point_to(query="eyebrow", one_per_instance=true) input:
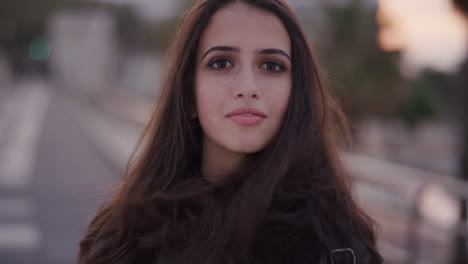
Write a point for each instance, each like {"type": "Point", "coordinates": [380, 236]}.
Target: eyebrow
{"type": "Point", "coordinates": [275, 51]}
{"type": "Point", "coordinates": [222, 48]}
{"type": "Point", "coordinates": [237, 50]}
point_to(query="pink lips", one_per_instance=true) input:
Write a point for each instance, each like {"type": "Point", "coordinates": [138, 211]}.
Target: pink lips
{"type": "Point", "coordinates": [246, 116]}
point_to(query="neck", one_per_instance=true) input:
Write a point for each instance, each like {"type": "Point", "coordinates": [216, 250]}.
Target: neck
{"type": "Point", "coordinates": [218, 161]}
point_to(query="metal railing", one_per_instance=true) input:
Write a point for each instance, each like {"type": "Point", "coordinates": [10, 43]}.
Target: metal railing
{"type": "Point", "coordinates": [412, 192]}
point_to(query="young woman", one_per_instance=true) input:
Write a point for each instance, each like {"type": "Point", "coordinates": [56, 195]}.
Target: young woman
{"type": "Point", "coordinates": [239, 162]}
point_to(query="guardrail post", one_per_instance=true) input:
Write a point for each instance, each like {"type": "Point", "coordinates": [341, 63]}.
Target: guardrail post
{"type": "Point", "coordinates": [413, 226]}
{"type": "Point", "coordinates": [460, 245]}
{"type": "Point", "coordinates": [460, 254]}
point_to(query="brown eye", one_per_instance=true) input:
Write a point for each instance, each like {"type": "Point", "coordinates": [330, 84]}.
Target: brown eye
{"type": "Point", "coordinates": [220, 63]}
{"type": "Point", "coordinates": [274, 66]}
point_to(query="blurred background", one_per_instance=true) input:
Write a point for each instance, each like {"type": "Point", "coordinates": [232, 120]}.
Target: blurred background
{"type": "Point", "coordinates": [78, 80]}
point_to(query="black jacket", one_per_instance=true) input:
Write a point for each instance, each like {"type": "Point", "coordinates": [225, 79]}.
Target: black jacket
{"type": "Point", "coordinates": [358, 254]}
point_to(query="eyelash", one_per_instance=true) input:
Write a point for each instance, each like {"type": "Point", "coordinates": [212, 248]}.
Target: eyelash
{"type": "Point", "coordinates": [280, 66]}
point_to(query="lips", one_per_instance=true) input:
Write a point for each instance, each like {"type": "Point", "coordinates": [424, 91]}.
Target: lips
{"type": "Point", "coordinates": [246, 111]}
{"type": "Point", "coordinates": [246, 116]}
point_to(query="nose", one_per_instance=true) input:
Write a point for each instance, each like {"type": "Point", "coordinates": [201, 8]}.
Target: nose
{"type": "Point", "coordinates": [240, 95]}
{"type": "Point", "coordinates": [247, 86]}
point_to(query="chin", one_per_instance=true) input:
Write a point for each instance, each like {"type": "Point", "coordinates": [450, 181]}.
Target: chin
{"type": "Point", "coordinates": [247, 147]}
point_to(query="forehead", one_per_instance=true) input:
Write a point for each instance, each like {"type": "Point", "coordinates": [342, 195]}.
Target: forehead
{"type": "Point", "coordinates": [245, 26]}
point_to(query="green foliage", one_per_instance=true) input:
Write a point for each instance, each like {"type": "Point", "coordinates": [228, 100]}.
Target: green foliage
{"type": "Point", "coordinates": [159, 34]}
{"type": "Point", "coordinates": [136, 34]}
{"type": "Point", "coordinates": [421, 104]}
{"type": "Point", "coordinates": [372, 77]}
{"type": "Point", "coordinates": [130, 27]}
{"type": "Point", "coordinates": [352, 58]}
{"type": "Point", "coordinates": [430, 94]}
{"type": "Point", "coordinates": [24, 18]}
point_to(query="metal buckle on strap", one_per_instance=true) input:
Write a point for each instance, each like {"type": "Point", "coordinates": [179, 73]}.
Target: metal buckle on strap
{"type": "Point", "coordinates": [342, 251]}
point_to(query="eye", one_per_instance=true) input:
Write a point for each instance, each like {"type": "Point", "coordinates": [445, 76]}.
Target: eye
{"type": "Point", "coordinates": [220, 63]}
{"type": "Point", "coordinates": [273, 66]}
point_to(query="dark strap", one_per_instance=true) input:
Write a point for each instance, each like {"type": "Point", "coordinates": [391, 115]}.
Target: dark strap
{"type": "Point", "coordinates": [343, 256]}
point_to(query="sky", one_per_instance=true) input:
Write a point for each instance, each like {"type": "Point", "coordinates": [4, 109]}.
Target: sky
{"type": "Point", "coordinates": [429, 33]}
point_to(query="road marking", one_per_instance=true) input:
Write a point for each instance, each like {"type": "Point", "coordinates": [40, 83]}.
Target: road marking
{"type": "Point", "coordinates": [116, 139]}
{"type": "Point", "coordinates": [15, 208]}
{"type": "Point", "coordinates": [18, 156]}
{"type": "Point", "coordinates": [17, 236]}
{"type": "Point", "coordinates": [7, 112]}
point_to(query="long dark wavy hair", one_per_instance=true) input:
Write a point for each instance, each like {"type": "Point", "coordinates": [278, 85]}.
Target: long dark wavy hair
{"type": "Point", "coordinates": [288, 203]}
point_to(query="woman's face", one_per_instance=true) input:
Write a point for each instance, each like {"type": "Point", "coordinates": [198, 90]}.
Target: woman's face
{"type": "Point", "coordinates": [242, 79]}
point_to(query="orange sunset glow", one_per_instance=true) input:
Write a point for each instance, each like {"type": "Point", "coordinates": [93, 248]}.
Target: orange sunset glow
{"type": "Point", "coordinates": [429, 33]}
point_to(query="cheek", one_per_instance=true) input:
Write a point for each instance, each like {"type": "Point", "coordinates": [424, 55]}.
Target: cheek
{"type": "Point", "coordinates": [209, 98]}
{"type": "Point", "coordinates": [279, 99]}
{"type": "Point", "coordinates": [283, 99]}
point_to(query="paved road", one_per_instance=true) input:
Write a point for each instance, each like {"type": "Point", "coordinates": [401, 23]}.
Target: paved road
{"type": "Point", "coordinates": [52, 177]}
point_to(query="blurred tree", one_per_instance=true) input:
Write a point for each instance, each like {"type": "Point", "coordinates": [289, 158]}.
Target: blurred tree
{"type": "Point", "coordinates": [24, 23]}
{"type": "Point", "coordinates": [159, 34]}
{"type": "Point", "coordinates": [19, 17]}
{"type": "Point", "coordinates": [371, 76]}
{"type": "Point", "coordinates": [430, 95]}
{"type": "Point", "coordinates": [21, 23]}
{"type": "Point", "coordinates": [462, 5]}
{"type": "Point", "coordinates": [420, 104]}
{"type": "Point", "coordinates": [130, 28]}
{"type": "Point", "coordinates": [352, 56]}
